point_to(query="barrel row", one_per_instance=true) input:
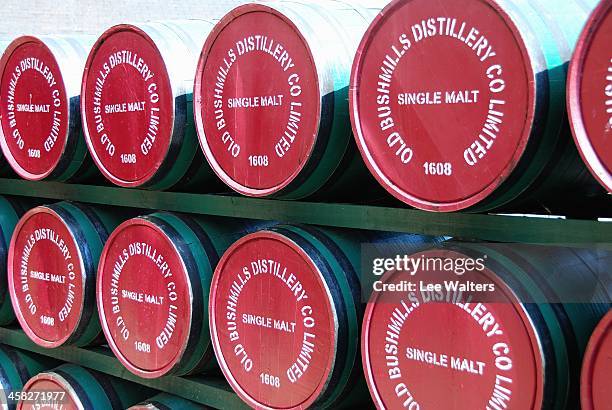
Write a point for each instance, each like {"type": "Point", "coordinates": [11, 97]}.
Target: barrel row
{"type": "Point", "coordinates": [281, 310]}
{"type": "Point", "coordinates": [274, 109]}
{"type": "Point", "coordinates": [288, 137]}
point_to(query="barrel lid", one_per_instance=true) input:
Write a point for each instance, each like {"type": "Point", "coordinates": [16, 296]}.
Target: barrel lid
{"type": "Point", "coordinates": [46, 277]}
{"type": "Point", "coordinates": [54, 384]}
{"type": "Point", "coordinates": [589, 94]}
{"type": "Point", "coordinates": [442, 100]}
{"type": "Point", "coordinates": [416, 340]}
{"type": "Point", "coordinates": [34, 108]}
{"type": "Point", "coordinates": [273, 324]}
{"type": "Point", "coordinates": [257, 100]}
{"type": "Point", "coordinates": [597, 367]}
{"type": "Point", "coordinates": [144, 298]}
{"type": "Point", "coordinates": [127, 106]}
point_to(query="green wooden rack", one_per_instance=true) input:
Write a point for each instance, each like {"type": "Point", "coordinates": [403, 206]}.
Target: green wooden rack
{"type": "Point", "coordinates": [214, 390]}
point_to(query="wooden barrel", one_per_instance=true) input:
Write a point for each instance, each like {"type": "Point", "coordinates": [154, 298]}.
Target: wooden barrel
{"type": "Point", "coordinates": [165, 401]}
{"type": "Point", "coordinates": [271, 98]}
{"type": "Point", "coordinates": [16, 368]}
{"type": "Point", "coordinates": [285, 312]}
{"type": "Point", "coordinates": [153, 285]}
{"type": "Point", "coordinates": [74, 387]}
{"type": "Point", "coordinates": [5, 168]}
{"type": "Point", "coordinates": [589, 93]}
{"type": "Point", "coordinates": [490, 135]}
{"type": "Point", "coordinates": [10, 212]}
{"type": "Point", "coordinates": [52, 263]}
{"type": "Point", "coordinates": [507, 332]}
{"type": "Point", "coordinates": [597, 367]}
{"type": "Point", "coordinates": [41, 133]}
{"type": "Point", "coordinates": [137, 104]}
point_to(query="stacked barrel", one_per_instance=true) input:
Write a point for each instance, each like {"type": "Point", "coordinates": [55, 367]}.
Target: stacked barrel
{"type": "Point", "coordinates": [52, 265]}
{"type": "Point", "coordinates": [17, 367]}
{"type": "Point", "coordinates": [271, 107]}
{"type": "Point", "coordinates": [299, 348]}
{"type": "Point", "coordinates": [74, 387]}
{"type": "Point", "coordinates": [144, 137]}
{"type": "Point", "coordinates": [153, 283]}
{"type": "Point", "coordinates": [41, 134]}
{"type": "Point", "coordinates": [524, 316]}
{"type": "Point", "coordinates": [448, 105]}
{"type": "Point", "coordinates": [488, 136]}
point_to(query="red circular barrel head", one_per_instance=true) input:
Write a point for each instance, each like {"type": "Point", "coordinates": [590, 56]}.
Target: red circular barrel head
{"type": "Point", "coordinates": [590, 94]}
{"type": "Point", "coordinates": [416, 340]}
{"type": "Point", "coordinates": [597, 367]}
{"type": "Point", "coordinates": [144, 298]}
{"type": "Point", "coordinates": [46, 277]}
{"type": "Point", "coordinates": [272, 323]}
{"type": "Point", "coordinates": [442, 100]}
{"type": "Point", "coordinates": [127, 106]}
{"type": "Point", "coordinates": [49, 390]}
{"type": "Point", "coordinates": [34, 108]}
{"type": "Point", "coordinates": [257, 100]}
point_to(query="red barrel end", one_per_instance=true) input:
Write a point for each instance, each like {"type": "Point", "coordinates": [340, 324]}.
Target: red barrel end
{"type": "Point", "coordinates": [257, 100]}
{"type": "Point", "coordinates": [597, 368]}
{"type": "Point", "coordinates": [49, 390]}
{"type": "Point", "coordinates": [127, 106]}
{"type": "Point", "coordinates": [272, 325]}
{"type": "Point", "coordinates": [483, 354]}
{"type": "Point", "coordinates": [146, 322]}
{"type": "Point", "coordinates": [589, 94]}
{"type": "Point", "coordinates": [442, 100]}
{"type": "Point", "coordinates": [34, 108]}
{"type": "Point", "coordinates": [46, 277]}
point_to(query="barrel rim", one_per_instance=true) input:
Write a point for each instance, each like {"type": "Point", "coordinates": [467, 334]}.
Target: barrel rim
{"type": "Point", "coordinates": [11, 281]}
{"type": "Point", "coordinates": [152, 174]}
{"type": "Point", "coordinates": [8, 155]}
{"type": "Point", "coordinates": [524, 318]}
{"type": "Point", "coordinates": [175, 362]}
{"type": "Point", "coordinates": [58, 380]}
{"type": "Point", "coordinates": [333, 320]}
{"type": "Point", "coordinates": [198, 97]}
{"type": "Point", "coordinates": [574, 104]}
{"type": "Point", "coordinates": [360, 138]}
{"type": "Point", "coordinates": [601, 332]}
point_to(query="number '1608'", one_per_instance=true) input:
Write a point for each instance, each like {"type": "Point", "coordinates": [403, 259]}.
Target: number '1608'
{"type": "Point", "coordinates": [438, 168]}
